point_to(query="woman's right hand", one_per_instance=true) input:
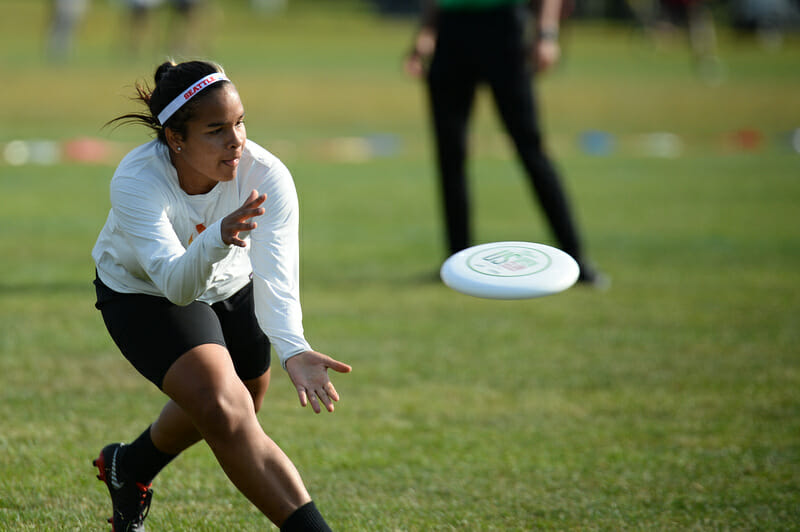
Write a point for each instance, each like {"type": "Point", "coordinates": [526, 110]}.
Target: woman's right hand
{"type": "Point", "coordinates": [239, 220]}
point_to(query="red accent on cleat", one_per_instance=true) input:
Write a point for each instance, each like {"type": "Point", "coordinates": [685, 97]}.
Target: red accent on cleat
{"type": "Point", "coordinates": [100, 463]}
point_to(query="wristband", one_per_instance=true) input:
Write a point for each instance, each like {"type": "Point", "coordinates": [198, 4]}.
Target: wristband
{"type": "Point", "coordinates": [548, 34]}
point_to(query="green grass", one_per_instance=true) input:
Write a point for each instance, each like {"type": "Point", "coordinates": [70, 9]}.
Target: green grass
{"type": "Point", "coordinates": [670, 402]}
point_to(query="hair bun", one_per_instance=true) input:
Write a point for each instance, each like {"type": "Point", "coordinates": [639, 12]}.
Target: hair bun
{"type": "Point", "coordinates": [162, 69]}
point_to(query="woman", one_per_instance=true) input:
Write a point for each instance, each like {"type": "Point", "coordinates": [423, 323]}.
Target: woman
{"type": "Point", "coordinates": [197, 275]}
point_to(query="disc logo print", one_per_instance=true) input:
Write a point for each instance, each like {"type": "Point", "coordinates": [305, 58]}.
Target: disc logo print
{"type": "Point", "coordinates": [509, 261]}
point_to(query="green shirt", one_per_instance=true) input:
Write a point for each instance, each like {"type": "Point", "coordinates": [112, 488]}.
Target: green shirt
{"type": "Point", "coordinates": [475, 4]}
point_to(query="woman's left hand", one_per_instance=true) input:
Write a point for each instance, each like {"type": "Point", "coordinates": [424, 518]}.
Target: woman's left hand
{"type": "Point", "coordinates": [309, 373]}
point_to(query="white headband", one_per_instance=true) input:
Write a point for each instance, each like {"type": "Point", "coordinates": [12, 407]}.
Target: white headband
{"type": "Point", "coordinates": [188, 94]}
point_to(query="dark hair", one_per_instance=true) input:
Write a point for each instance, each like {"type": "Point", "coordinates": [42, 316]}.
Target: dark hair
{"type": "Point", "coordinates": [171, 79]}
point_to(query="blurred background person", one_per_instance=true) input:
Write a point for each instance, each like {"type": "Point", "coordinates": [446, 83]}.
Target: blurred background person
{"type": "Point", "coordinates": [695, 16]}
{"type": "Point", "coordinates": [768, 20]}
{"type": "Point", "coordinates": [168, 26]}
{"type": "Point", "coordinates": [463, 43]}
{"type": "Point", "coordinates": [137, 22]}
{"type": "Point", "coordinates": [65, 17]}
{"type": "Point", "coordinates": [183, 20]}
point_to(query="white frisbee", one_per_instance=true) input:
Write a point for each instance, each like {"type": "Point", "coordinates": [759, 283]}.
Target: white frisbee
{"type": "Point", "coordinates": [510, 270]}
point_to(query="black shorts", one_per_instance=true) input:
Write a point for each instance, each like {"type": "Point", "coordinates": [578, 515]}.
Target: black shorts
{"type": "Point", "coordinates": [153, 332]}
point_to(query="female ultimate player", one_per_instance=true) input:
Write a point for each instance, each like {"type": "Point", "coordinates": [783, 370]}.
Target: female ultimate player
{"type": "Point", "coordinates": [197, 275]}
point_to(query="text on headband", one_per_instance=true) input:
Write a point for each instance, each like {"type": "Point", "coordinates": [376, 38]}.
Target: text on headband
{"type": "Point", "coordinates": [188, 94]}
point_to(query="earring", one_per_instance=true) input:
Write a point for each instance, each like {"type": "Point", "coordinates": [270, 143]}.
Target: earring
{"type": "Point", "coordinates": [178, 148]}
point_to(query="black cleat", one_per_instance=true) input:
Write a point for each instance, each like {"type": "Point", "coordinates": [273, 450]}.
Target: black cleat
{"type": "Point", "coordinates": [130, 500]}
{"type": "Point", "coordinates": [590, 276]}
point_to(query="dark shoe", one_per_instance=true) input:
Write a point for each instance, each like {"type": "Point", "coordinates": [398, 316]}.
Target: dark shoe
{"type": "Point", "coordinates": [593, 278]}
{"type": "Point", "coordinates": [130, 500]}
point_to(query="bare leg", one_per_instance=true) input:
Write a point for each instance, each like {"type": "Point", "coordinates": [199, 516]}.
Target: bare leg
{"type": "Point", "coordinates": [203, 383]}
{"type": "Point", "coordinates": [174, 432]}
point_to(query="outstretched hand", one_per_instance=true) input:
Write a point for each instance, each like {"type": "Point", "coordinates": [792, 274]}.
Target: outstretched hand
{"type": "Point", "coordinates": [239, 220]}
{"type": "Point", "coordinates": [309, 373]}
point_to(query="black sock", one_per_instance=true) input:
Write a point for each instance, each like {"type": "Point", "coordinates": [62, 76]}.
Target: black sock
{"type": "Point", "coordinates": [141, 460]}
{"type": "Point", "coordinates": [306, 519]}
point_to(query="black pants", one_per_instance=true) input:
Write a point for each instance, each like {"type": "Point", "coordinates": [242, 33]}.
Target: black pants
{"type": "Point", "coordinates": [489, 46]}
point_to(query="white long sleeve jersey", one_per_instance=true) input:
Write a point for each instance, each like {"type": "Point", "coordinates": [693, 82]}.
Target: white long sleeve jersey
{"type": "Point", "coordinates": [160, 241]}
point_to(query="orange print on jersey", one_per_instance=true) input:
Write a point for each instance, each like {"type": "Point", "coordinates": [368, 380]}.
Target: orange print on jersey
{"type": "Point", "coordinates": [200, 228]}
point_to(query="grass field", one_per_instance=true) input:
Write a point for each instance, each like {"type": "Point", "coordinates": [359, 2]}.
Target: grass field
{"type": "Point", "coordinates": [669, 402]}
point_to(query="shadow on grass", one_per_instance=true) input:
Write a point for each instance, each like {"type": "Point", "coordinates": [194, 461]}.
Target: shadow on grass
{"type": "Point", "coordinates": [374, 278]}
{"type": "Point", "coordinates": [46, 288]}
